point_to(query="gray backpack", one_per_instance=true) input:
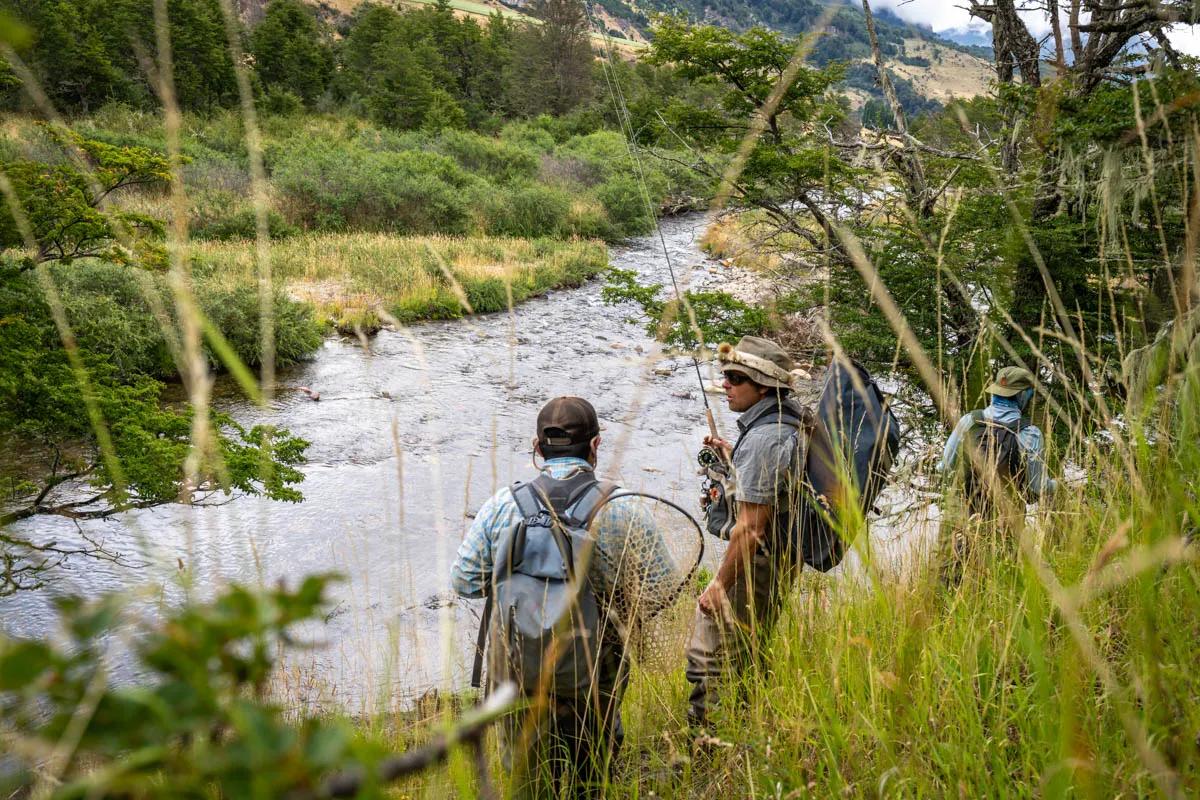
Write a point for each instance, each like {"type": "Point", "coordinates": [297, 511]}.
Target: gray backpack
{"type": "Point", "coordinates": [541, 590]}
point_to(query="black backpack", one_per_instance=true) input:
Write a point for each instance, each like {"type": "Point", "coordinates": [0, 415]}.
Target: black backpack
{"type": "Point", "coordinates": [996, 447]}
{"type": "Point", "coordinates": [855, 437]}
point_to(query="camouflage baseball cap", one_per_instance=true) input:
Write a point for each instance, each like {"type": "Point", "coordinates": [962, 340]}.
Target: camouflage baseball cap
{"type": "Point", "coordinates": [1011, 381]}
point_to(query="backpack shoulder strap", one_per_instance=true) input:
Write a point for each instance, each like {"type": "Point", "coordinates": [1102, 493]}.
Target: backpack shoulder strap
{"type": "Point", "coordinates": [586, 503]}
{"type": "Point", "coordinates": [528, 500]}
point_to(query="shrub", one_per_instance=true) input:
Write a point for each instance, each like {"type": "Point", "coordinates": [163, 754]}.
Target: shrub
{"type": "Point", "coordinates": [527, 135]}
{"type": "Point", "coordinates": [494, 158]}
{"type": "Point", "coordinates": [108, 311]}
{"type": "Point", "coordinates": [345, 186]}
{"type": "Point", "coordinates": [112, 318]}
{"type": "Point", "coordinates": [444, 112]}
{"type": "Point", "coordinates": [198, 723]}
{"type": "Point", "coordinates": [282, 102]}
{"type": "Point", "coordinates": [221, 216]}
{"type": "Point", "coordinates": [237, 314]}
{"type": "Point", "coordinates": [625, 204]}
{"type": "Point", "coordinates": [527, 210]}
{"type": "Point", "coordinates": [604, 151]}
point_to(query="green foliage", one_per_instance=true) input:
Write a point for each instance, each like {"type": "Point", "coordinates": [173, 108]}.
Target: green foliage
{"type": "Point", "coordinates": [401, 66]}
{"type": "Point", "coordinates": [290, 54]}
{"type": "Point", "coordinates": [281, 102]}
{"type": "Point", "coordinates": [60, 205]}
{"type": "Point", "coordinates": [237, 314]}
{"type": "Point", "coordinates": [347, 186]}
{"type": "Point", "coordinates": [788, 160]}
{"type": "Point", "coordinates": [720, 317]}
{"type": "Point", "coordinates": [495, 159]}
{"type": "Point", "coordinates": [443, 112]}
{"type": "Point", "coordinates": [625, 204]}
{"type": "Point", "coordinates": [199, 724]}
{"type": "Point", "coordinates": [121, 346]}
{"type": "Point", "coordinates": [527, 210]}
{"type": "Point", "coordinates": [84, 53]}
{"type": "Point", "coordinates": [550, 69]}
{"type": "Point", "coordinates": [221, 223]}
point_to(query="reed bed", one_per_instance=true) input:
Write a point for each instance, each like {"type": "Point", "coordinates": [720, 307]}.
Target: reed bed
{"type": "Point", "coordinates": [351, 277]}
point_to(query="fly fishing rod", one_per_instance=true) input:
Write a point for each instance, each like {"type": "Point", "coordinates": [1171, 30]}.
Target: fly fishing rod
{"type": "Point", "coordinates": [622, 110]}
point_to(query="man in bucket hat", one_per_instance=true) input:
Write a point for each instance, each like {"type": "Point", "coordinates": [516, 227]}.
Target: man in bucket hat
{"type": "Point", "coordinates": [1000, 465]}
{"type": "Point", "coordinates": [739, 606]}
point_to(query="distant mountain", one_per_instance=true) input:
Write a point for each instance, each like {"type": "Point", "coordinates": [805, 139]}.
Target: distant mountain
{"type": "Point", "coordinates": [928, 69]}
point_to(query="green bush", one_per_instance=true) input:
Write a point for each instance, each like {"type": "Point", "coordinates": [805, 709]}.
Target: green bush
{"type": "Point", "coordinates": [529, 210]}
{"type": "Point", "coordinates": [342, 187]}
{"type": "Point", "coordinates": [197, 722]}
{"type": "Point", "coordinates": [625, 204]}
{"type": "Point", "coordinates": [237, 314]}
{"type": "Point", "coordinates": [107, 307]}
{"type": "Point", "coordinates": [210, 223]}
{"type": "Point", "coordinates": [528, 135]}
{"type": "Point", "coordinates": [112, 318]}
{"type": "Point", "coordinates": [605, 152]}
{"type": "Point", "coordinates": [282, 102]}
{"type": "Point", "coordinates": [493, 158]}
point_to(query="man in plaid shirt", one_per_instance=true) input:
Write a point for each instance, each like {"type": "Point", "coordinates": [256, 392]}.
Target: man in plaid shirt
{"type": "Point", "coordinates": [632, 574]}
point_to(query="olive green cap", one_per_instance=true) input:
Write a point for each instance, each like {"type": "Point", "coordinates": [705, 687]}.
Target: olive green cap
{"type": "Point", "coordinates": [1011, 381]}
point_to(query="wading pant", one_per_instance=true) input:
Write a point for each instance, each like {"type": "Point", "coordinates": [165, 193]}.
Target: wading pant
{"type": "Point", "coordinates": [719, 650]}
{"type": "Point", "coordinates": [570, 745]}
{"type": "Point", "coordinates": [974, 535]}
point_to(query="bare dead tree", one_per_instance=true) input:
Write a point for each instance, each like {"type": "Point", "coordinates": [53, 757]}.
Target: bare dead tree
{"type": "Point", "coordinates": [905, 158]}
{"type": "Point", "coordinates": [1016, 51]}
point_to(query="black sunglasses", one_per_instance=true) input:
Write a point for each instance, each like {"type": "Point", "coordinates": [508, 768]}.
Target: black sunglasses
{"type": "Point", "coordinates": [735, 378]}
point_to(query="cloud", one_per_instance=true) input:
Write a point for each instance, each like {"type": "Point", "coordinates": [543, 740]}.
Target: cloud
{"type": "Point", "coordinates": [944, 16]}
{"type": "Point", "coordinates": [937, 14]}
{"type": "Point", "coordinates": [947, 15]}
{"type": "Point", "coordinates": [1186, 39]}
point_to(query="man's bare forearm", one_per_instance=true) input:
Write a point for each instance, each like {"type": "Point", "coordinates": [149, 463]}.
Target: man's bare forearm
{"type": "Point", "coordinates": [747, 534]}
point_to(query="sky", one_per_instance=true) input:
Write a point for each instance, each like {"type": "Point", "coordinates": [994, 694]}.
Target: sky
{"type": "Point", "coordinates": [947, 15]}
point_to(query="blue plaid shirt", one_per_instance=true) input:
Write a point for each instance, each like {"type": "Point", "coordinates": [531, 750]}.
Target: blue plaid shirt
{"type": "Point", "coordinates": [631, 562]}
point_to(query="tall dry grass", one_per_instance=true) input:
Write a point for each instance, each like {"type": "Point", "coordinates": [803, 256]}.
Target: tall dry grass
{"type": "Point", "coordinates": [353, 276]}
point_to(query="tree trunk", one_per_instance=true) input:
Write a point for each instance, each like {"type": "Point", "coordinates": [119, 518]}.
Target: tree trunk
{"type": "Point", "coordinates": [907, 162]}
{"type": "Point", "coordinates": [1060, 60]}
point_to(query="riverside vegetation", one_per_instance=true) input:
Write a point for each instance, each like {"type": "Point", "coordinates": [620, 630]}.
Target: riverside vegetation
{"type": "Point", "coordinates": [1052, 223]}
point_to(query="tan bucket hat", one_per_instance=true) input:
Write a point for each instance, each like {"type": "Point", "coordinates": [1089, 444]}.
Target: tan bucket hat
{"type": "Point", "coordinates": [1011, 381]}
{"type": "Point", "coordinates": [761, 360]}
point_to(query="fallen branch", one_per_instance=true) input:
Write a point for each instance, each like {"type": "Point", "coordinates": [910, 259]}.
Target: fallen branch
{"type": "Point", "coordinates": [469, 731]}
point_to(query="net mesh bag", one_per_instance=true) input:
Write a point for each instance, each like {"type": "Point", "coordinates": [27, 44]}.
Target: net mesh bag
{"type": "Point", "coordinates": [653, 594]}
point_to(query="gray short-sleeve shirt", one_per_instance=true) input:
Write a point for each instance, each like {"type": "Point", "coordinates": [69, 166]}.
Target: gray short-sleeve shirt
{"type": "Point", "coordinates": [764, 458]}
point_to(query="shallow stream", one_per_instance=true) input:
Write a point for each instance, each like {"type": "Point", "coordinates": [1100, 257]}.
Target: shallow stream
{"type": "Point", "coordinates": [409, 437]}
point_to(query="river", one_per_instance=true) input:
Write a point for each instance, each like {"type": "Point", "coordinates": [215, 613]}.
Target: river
{"type": "Point", "coordinates": [409, 437]}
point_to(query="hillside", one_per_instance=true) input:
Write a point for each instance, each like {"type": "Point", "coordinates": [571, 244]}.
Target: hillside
{"type": "Point", "coordinates": [928, 70]}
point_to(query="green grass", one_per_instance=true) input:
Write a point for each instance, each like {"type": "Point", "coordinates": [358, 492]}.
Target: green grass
{"type": "Point", "coordinates": [1066, 667]}
{"type": "Point", "coordinates": [352, 277]}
